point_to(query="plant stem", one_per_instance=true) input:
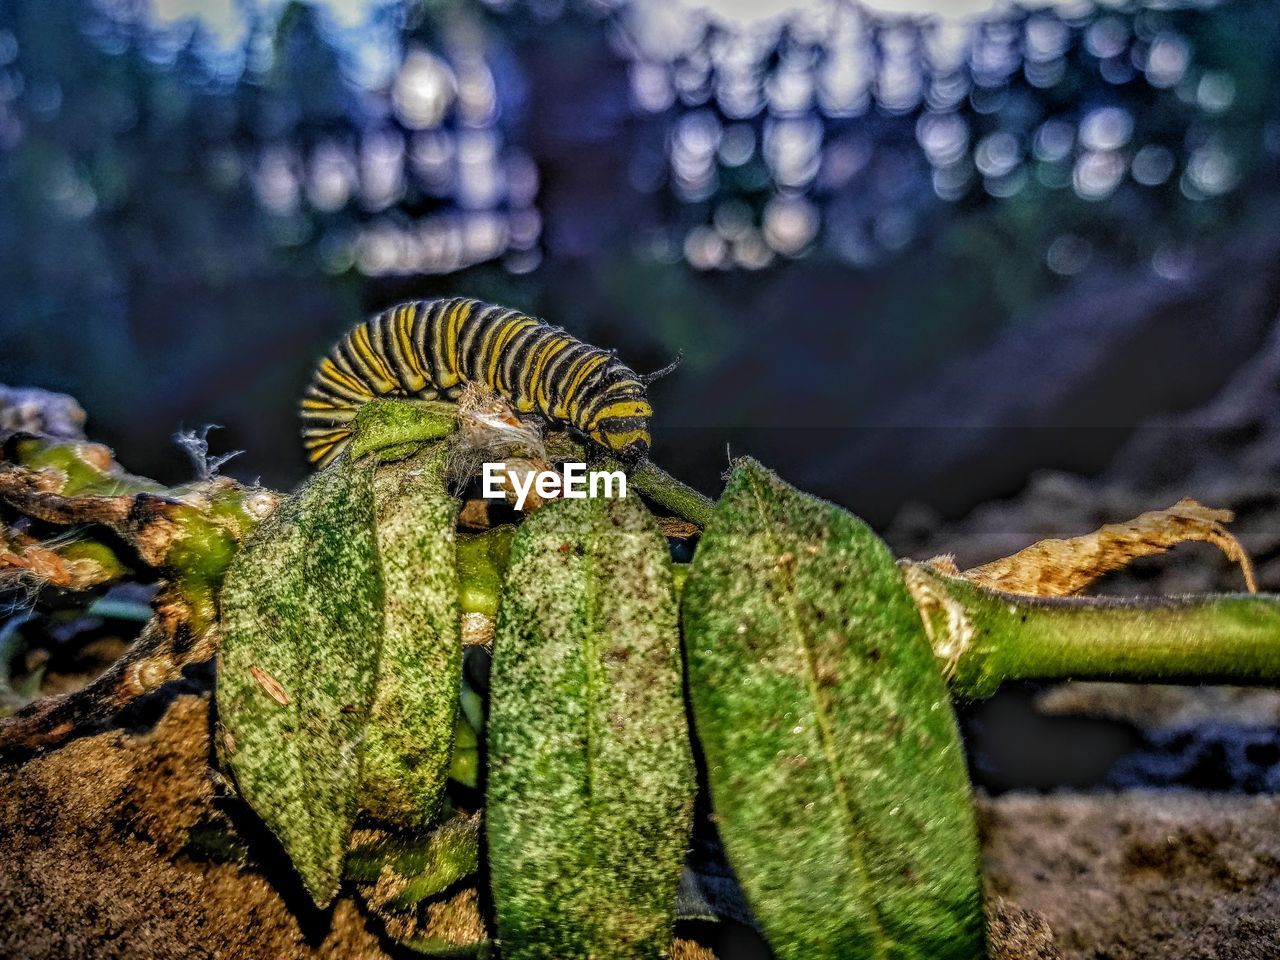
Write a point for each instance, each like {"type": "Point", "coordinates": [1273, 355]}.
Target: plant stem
{"type": "Point", "coordinates": [985, 638]}
{"type": "Point", "coordinates": [666, 491]}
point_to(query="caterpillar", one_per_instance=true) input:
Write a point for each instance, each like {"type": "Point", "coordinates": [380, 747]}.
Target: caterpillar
{"type": "Point", "coordinates": [433, 348]}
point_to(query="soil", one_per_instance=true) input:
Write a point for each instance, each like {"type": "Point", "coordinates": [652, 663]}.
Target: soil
{"type": "Point", "coordinates": [1141, 875]}
{"type": "Point", "coordinates": [109, 854]}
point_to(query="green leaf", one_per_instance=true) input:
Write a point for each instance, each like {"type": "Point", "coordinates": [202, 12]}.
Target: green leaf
{"type": "Point", "coordinates": [482, 563]}
{"type": "Point", "coordinates": [409, 742]}
{"type": "Point", "coordinates": [590, 775]}
{"type": "Point", "coordinates": [420, 867]}
{"type": "Point", "coordinates": [387, 425]}
{"type": "Point", "coordinates": [834, 762]}
{"type": "Point", "coordinates": [302, 625]}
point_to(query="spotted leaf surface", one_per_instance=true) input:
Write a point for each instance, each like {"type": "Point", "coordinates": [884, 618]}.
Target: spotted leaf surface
{"type": "Point", "coordinates": [302, 619]}
{"type": "Point", "coordinates": [590, 774]}
{"type": "Point", "coordinates": [409, 744]}
{"type": "Point", "coordinates": [834, 762]}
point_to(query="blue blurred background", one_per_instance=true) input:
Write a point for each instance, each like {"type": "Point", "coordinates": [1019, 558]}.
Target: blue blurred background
{"type": "Point", "coordinates": [911, 250]}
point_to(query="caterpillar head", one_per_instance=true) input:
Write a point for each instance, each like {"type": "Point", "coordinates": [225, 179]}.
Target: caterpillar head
{"type": "Point", "coordinates": [623, 429]}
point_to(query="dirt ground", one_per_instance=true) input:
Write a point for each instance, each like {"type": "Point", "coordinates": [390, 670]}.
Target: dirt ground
{"type": "Point", "coordinates": [111, 850]}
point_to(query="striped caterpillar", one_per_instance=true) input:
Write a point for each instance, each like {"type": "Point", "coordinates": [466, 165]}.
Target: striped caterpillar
{"type": "Point", "coordinates": [432, 348]}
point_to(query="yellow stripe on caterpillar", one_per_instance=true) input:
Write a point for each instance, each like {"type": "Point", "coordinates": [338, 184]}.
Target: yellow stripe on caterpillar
{"type": "Point", "coordinates": [415, 348]}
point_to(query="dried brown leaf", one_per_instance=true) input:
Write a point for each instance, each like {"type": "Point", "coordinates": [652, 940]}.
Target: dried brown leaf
{"type": "Point", "coordinates": [1061, 568]}
{"type": "Point", "coordinates": [270, 684]}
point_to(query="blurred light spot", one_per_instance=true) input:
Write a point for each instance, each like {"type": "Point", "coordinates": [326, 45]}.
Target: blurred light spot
{"type": "Point", "coordinates": [662, 246]}
{"type": "Point", "coordinates": [431, 154]}
{"type": "Point", "coordinates": [844, 83]}
{"type": "Point", "coordinates": [664, 30]}
{"type": "Point", "coordinates": [1152, 165]}
{"type": "Point", "coordinates": [1054, 140]}
{"type": "Point", "coordinates": [70, 192]}
{"type": "Point", "coordinates": [692, 76]}
{"type": "Point", "coordinates": [899, 83]}
{"type": "Point", "coordinates": [751, 252]}
{"type": "Point", "coordinates": [1216, 92]}
{"type": "Point", "coordinates": [943, 137]}
{"type": "Point", "coordinates": [1047, 38]}
{"type": "Point", "coordinates": [347, 13]}
{"type": "Point", "coordinates": [1107, 128]}
{"type": "Point", "coordinates": [997, 154]}
{"type": "Point", "coordinates": [704, 248]}
{"type": "Point", "coordinates": [1172, 263]}
{"type": "Point", "coordinates": [423, 91]}
{"type": "Point", "coordinates": [651, 86]}
{"type": "Point", "coordinates": [789, 88]}
{"type": "Point", "coordinates": [221, 19]}
{"type": "Point", "coordinates": [1068, 254]}
{"type": "Point", "coordinates": [947, 91]}
{"type": "Point", "coordinates": [790, 223]}
{"type": "Point", "coordinates": [893, 229]}
{"type": "Point", "coordinates": [996, 53]}
{"type": "Point", "coordinates": [852, 243]}
{"type": "Point", "coordinates": [378, 251]}
{"type": "Point", "coordinates": [988, 100]}
{"type": "Point", "coordinates": [952, 182]}
{"type": "Point", "coordinates": [1045, 73]}
{"type": "Point", "coordinates": [732, 218]}
{"type": "Point", "coordinates": [337, 253]}
{"type": "Point", "coordinates": [1097, 174]}
{"type": "Point", "coordinates": [484, 237]}
{"type": "Point", "coordinates": [522, 179]}
{"type": "Point", "coordinates": [737, 145]}
{"type": "Point", "coordinates": [477, 96]}
{"type": "Point", "coordinates": [946, 45]}
{"type": "Point", "coordinates": [1211, 170]}
{"type": "Point", "coordinates": [1107, 37]}
{"type": "Point", "coordinates": [737, 56]}
{"type": "Point", "coordinates": [1006, 185]}
{"type": "Point", "coordinates": [522, 261]}
{"type": "Point", "coordinates": [693, 151]}
{"type": "Point", "coordinates": [333, 177]}
{"type": "Point", "coordinates": [381, 168]}
{"type": "Point", "coordinates": [275, 182]}
{"type": "Point", "coordinates": [844, 160]}
{"type": "Point", "coordinates": [480, 183]}
{"type": "Point", "coordinates": [1167, 60]}
{"type": "Point", "coordinates": [439, 244]}
{"type": "Point", "coordinates": [791, 148]}
{"type": "Point", "coordinates": [1117, 70]}
{"type": "Point", "coordinates": [525, 228]}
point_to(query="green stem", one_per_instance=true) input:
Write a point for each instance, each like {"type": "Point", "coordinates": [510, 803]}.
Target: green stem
{"type": "Point", "coordinates": [985, 638]}
{"type": "Point", "coordinates": [675, 495]}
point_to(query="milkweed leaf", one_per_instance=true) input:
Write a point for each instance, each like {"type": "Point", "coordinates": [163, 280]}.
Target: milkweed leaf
{"type": "Point", "coordinates": [415, 868]}
{"type": "Point", "coordinates": [590, 773]}
{"type": "Point", "coordinates": [302, 608]}
{"type": "Point", "coordinates": [834, 763]}
{"type": "Point", "coordinates": [409, 744]}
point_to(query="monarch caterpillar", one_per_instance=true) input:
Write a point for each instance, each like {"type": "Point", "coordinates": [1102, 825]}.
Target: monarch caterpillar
{"type": "Point", "coordinates": [432, 348]}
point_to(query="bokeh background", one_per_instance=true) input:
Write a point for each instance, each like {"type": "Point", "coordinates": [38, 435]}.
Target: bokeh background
{"type": "Point", "coordinates": [912, 251]}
